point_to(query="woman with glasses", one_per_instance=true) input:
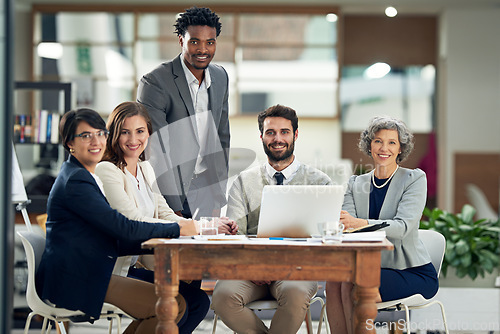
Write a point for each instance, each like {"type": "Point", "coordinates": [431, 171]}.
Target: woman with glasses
{"type": "Point", "coordinates": [85, 235]}
{"type": "Point", "coordinates": [129, 185]}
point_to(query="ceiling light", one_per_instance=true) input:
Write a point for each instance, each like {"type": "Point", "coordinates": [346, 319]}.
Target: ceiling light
{"type": "Point", "coordinates": [377, 71]}
{"type": "Point", "coordinates": [391, 11]}
{"type": "Point", "coordinates": [331, 17]}
{"type": "Point", "coordinates": [50, 50]}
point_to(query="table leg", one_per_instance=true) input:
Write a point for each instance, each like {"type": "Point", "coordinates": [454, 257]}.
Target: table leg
{"type": "Point", "coordinates": [365, 309]}
{"type": "Point", "coordinates": [167, 288]}
{"type": "Point", "coordinates": [367, 280]}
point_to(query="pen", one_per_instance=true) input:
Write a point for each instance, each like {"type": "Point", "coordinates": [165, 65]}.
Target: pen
{"type": "Point", "coordinates": [289, 239]}
{"type": "Point", "coordinates": [193, 217]}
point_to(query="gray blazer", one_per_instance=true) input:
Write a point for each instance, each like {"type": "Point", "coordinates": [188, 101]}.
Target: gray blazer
{"type": "Point", "coordinates": [165, 93]}
{"type": "Point", "coordinates": [402, 209]}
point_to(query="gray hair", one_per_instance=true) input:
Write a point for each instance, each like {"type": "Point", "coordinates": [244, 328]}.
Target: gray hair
{"type": "Point", "coordinates": [378, 123]}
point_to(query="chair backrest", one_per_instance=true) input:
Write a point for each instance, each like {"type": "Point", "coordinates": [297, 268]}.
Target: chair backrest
{"type": "Point", "coordinates": [435, 243]}
{"type": "Point", "coordinates": [34, 245]}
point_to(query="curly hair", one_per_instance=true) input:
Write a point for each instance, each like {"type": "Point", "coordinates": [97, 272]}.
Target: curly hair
{"type": "Point", "coordinates": [378, 123]}
{"type": "Point", "coordinates": [123, 111]}
{"type": "Point", "coordinates": [195, 16]}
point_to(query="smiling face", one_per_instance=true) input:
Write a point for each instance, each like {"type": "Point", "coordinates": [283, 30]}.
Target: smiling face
{"type": "Point", "coordinates": [133, 138]}
{"type": "Point", "coordinates": [385, 148]}
{"type": "Point", "coordinates": [198, 47]}
{"type": "Point", "coordinates": [88, 153]}
{"type": "Point", "coordinates": [278, 139]}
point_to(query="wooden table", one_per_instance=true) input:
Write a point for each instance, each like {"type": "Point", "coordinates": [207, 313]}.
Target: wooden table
{"type": "Point", "coordinates": [255, 259]}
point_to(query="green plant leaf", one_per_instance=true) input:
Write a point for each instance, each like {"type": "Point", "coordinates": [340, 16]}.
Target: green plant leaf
{"type": "Point", "coordinates": [472, 247]}
{"type": "Point", "coordinates": [466, 259]}
{"type": "Point", "coordinates": [468, 213]}
{"type": "Point", "coordinates": [461, 247]}
{"type": "Point", "coordinates": [461, 272]}
{"type": "Point", "coordinates": [465, 228]}
{"type": "Point", "coordinates": [472, 272]}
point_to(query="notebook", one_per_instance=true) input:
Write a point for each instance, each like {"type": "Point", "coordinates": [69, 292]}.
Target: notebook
{"type": "Point", "coordinates": [293, 211]}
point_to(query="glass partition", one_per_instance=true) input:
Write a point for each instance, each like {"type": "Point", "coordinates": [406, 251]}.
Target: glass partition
{"type": "Point", "coordinates": [270, 58]}
{"type": "Point", "coordinates": [406, 93]}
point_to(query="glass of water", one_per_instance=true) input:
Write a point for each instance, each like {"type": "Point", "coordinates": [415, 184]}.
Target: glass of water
{"type": "Point", "coordinates": [331, 231]}
{"type": "Point", "coordinates": [209, 225]}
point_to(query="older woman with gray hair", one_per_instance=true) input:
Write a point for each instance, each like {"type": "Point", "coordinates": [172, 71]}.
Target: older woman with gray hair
{"type": "Point", "coordinates": [396, 195]}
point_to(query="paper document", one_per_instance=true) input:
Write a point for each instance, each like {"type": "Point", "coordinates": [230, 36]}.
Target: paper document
{"type": "Point", "coordinates": [220, 237]}
{"type": "Point", "coordinates": [364, 236]}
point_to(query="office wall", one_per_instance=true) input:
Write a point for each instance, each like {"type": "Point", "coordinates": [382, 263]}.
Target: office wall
{"type": "Point", "coordinates": [469, 101]}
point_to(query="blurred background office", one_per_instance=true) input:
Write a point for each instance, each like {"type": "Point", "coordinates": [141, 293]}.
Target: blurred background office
{"type": "Point", "coordinates": [434, 64]}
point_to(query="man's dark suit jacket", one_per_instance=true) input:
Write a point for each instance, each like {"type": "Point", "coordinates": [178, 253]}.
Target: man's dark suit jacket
{"type": "Point", "coordinates": [84, 238]}
{"type": "Point", "coordinates": [165, 93]}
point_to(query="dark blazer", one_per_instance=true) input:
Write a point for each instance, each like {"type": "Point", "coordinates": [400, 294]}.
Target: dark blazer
{"type": "Point", "coordinates": [84, 238]}
{"type": "Point", "coordinates": [165, 93]}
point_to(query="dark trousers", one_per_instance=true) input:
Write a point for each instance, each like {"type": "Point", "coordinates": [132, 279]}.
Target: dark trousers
{"type": "Point", "coordinates": [196, 299]}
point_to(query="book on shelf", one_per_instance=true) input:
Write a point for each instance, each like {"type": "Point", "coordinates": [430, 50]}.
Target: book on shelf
{"type": "Point", "coordinates": [42, 128]}
{"type": "Point", "coordinates": [54, 132]}
{"type": "Point", "coordinates": [22, 129]}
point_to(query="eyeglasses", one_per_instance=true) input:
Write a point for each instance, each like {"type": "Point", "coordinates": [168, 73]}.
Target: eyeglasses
{"type": "Point", "coordinates": [86, 137]}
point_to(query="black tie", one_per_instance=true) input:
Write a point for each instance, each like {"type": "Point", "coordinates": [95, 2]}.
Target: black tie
{"type": "Point", "coordinates": [279, 178]}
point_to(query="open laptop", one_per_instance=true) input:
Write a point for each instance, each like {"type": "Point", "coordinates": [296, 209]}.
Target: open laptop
{"type": "Point", "coordinates": [293, 211]}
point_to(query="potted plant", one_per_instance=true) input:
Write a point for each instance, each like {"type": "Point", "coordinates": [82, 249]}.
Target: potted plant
{"type": "Point", "coordinates": [472, 246]}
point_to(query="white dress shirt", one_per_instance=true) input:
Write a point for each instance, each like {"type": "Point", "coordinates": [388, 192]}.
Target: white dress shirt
{"type": "Point", "coordinates": [288, 173]}
{"type": "Point", "coordinates": [199, 95]}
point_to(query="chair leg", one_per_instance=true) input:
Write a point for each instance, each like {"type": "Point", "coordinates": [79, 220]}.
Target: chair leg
{"type": "Point", "coordinates": [323, 318]}
{"type": "Point", "coordinates": [47, 328]}
{"type": "Point", "coordinates": [110, 326]}
{"type": "Point", "coordinates": [408, 323]}
{"type": "Point", "coordinates": [28, 322]}
{"type": "Point", "coordinates": [214, 327]}
{"type": "Point", "coordinates": [444, 316]}
{"type": "Point", "coordinates": [322, 315]}
{"type": "Point", "coordinates": [119, 324]}
{"type": "Point", "coordinates": [309, 321]}
{"type": "Point", "coordinates": [61, 327]}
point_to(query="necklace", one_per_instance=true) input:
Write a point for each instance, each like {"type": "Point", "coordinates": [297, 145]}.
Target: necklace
{"type": "Point", "coordinates": [385, 183]}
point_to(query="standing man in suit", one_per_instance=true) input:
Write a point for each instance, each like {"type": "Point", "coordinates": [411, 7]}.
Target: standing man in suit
{"type": "Point", "coordinates": [187, 99]}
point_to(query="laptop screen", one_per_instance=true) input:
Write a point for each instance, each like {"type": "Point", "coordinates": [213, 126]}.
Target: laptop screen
{"type": "Point", "coordinates": [293, 211]}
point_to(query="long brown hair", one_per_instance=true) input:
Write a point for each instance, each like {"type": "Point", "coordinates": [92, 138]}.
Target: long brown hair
{"type": "Point", "coordinates": [115, 122]}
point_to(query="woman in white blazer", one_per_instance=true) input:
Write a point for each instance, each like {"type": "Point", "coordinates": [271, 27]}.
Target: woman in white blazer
{"type": "Point", "coordinates": [392, 194]}
{"type": "Point", "coordinates": [130, 188]}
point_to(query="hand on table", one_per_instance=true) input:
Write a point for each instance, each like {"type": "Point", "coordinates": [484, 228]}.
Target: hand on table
{"type": "Point", "coordinates": [350, 221]}
{"type": "Point", "coordinates": [227, 226]}
{"type": "Point", "coordinates": [189, 227]}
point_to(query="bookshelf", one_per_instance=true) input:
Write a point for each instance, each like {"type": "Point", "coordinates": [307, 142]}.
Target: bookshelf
{"type": "Point", "coordinates": [35, 124]}
{"type": "Point", "coordinates": [36, 141]}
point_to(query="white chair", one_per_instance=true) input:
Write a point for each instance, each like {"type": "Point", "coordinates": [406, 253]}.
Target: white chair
{"type": "Point", "coordinates": [272, 304]}
{"type": "Point", "coordinates": [435, 244]}
{"type": "Point", "coordinates": [34, 245]}
{"type": "Point", "coordinates": [479, 201]}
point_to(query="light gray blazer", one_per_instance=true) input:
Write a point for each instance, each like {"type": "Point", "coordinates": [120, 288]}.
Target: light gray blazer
{"type": "Point", "coordinates": [402, 209]}
{"type": "Point", "coordinates": [165, 94]}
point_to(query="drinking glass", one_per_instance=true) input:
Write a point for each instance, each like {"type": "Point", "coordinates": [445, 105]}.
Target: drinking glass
{"type": "Point", "coordinates": [331, 231]}
{"type": "Point", "coordinates": [209, 225]}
